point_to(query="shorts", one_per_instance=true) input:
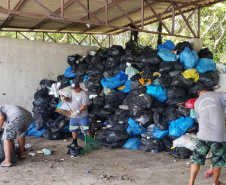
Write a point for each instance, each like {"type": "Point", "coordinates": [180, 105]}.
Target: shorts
{"type": "Point", "coordinates": [74, 124]}
{"type": "Point", "coordinates": [17, 127]}
{"type": "Point", "coordinates": [218, 153]}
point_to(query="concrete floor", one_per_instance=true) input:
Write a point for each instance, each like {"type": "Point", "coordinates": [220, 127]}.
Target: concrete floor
{"type": "Point", "coordinates": [119, 166]}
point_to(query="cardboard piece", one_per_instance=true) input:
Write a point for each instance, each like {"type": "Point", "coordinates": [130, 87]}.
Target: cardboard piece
{"type": "Point", "coordinates": [64, 112]}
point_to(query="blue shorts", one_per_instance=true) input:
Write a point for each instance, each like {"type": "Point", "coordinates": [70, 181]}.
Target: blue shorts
{"type": "Point", "coordinates": [74, 124]}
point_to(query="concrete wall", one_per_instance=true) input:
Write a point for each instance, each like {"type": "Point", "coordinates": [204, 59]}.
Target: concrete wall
{"type": "Point", "coordinates": [222, 83]}
{"type": "Point", "coordinates": [24, 63]}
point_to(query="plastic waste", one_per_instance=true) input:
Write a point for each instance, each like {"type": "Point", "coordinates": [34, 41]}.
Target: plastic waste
{"type": "Point", "coordinates": [204, 65]}
{"type": "Point", "coordinates": [46, 151]}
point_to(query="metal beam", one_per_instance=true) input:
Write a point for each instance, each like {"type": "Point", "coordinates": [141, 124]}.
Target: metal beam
{"type": "Point", "coordinates": [62, 8]}
{"type": "Point", "coordinates": [106, 12]}
{"type": "Point", "coordinates": [88, 11]}
{"type": "Point", "coordinates": [186, 21]}
{"type": "Point", "coordinates": [156, 15]}
{"type": "Point", "coordinates": [45, 8]}
{"type": "Point", "coordinates": [23, 35]}
{"type": "Point", "coordinates": [75, 39]}
{"type": "Point", "coordinates": [56, 12]}
{"type": "Point", "coordinates": [96, 40]}
{"type": "Point", "coordinates": [10, 15]}
{"type": "Point", "coordinates": [142, 14]}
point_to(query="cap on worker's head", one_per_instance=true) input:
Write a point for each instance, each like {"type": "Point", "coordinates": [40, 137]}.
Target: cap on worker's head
{"type": "Point", "coordinates": [202, 87]}
{"type": "Point", "coordinates": [75, 84]}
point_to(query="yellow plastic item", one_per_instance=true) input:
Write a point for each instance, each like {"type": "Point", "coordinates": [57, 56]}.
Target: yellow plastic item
{"type": "Point", "coordinates": [121, 87]}
{"type": "Point", "coordinates": [191, 73]}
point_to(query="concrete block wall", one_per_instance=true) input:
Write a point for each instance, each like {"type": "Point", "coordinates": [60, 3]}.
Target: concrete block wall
{"type": "Point", "coordinates": [24, 63]}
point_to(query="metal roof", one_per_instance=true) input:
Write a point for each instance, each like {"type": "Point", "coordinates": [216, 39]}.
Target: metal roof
{"type": "Point", "coordinates": [95, 16]}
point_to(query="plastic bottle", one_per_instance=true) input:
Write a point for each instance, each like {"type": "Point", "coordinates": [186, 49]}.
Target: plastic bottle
{"type": "Point", "coordinates": [31, 154]}
{"type": "Point", "coordinates": [87, 171]}
{"type": "Point", "coordinates": [28, 145]}
{"type": "Point", "coordinates": [46, 151]}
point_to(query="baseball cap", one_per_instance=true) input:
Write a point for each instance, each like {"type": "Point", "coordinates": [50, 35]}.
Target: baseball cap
{"type": "Point", "coordinates": [75, 84]}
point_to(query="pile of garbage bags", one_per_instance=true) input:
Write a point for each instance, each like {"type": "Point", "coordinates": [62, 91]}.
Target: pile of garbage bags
{"type": "Point", "coordinates": [141, 98]}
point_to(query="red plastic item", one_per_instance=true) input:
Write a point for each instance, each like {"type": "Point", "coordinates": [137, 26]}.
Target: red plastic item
{"type": "Point", "coordinates": [190, 104]}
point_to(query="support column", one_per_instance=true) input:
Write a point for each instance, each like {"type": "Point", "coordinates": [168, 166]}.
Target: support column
{"type": "Point", "coordinates": [196, 44]}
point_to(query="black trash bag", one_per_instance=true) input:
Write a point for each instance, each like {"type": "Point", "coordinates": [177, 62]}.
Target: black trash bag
{"type": "Point", "coordinates": [181, 153]}
{"type": "Point", "coordinates": [209, 79]}
{"type": "Point", "coordinates": [146, 73]}
{"type": "Point", "coordinates": [95, 122]}
{"type": "Point", "coordinates": [74, 151]}
{"type": "Point", "coordinates": [148, 58]}
{"type": "Point", "coordinates": [2, 153]}
{"type": "Point", "coordinates": [120, 120]}
{"type": "Point", "coordinates": [176, 101]}
{"type": "Point", "coordinates": [180, 81]}
{"type": "Point", "coordinates": [52, 136]}
{"type": "Point", "coordinates": [145, 119]}
{"type": "Point", "coordinates": [88, 59]}
{"type": "Point", "coordinates": [127, 58]}
{"type": "Point", "coordinates": [159, 122]}
{"type": "Point", "coordinates": [113, 62]}
{"type": "Point", "coordinates": [74, 68]}
{"type": "Point", "coordinates": [167, 142]}
{"type": "Point", "coordinates": [98, 64]}
{"type": "Point", "coordinates": [205, 53]}
{"type": "Point", "coordinates": [62, 78]}
{"type": "Point", "coordinates": [115, 96]}
{"type": "Point", "coordinates": [92, 70]}
{"type": "Point", "coordinates": [174, 73]}
{"type": "Point", "coordinates": [41, 120]}
{"type": "Point", "coordinates": [107, 136]}
{"type": "Point", "coordinates": [157, 106]}
{"type": "Point", "coordinates": [64, 84]}
{"type": "Point", "coordinates": [193, 91]}
{"type": "Point", "coordinates": [166, 67]}
{"type": "Point", "coordinates": [98, 101]}
{"type": "Point", "coordinates": [73, 59]}
{"type": "Point", "coordinates": [165, 80]}
{"type": "Point", "coordinates": [106, 113]}
{"type": "Point", "coordinates": [144, 100]}
{"type": "Point", "coordinates": [41, 99]}
{"type": "Point", "coordinates": [135, 77]}
{"type": "Point", "coordinates": [81, 71]}
{"type": "Point", "coordinates": [93, 82]}
{"type": "Point", "coordinates": [151, 144]}
{"type": "Point", "coordinates": [111, 73]}
{"type": "Point", "coordinates": [112, 105]}
{"type": "Point", "coordinates": [135, 85]}
{"type": "Point", "coordinates": [135, 110]}
{"type": "Point", "coordinates": [131, 44]}
{"type": "Point", "coordinates": [175, 93]}
{"type": "Point", "coordinates": [172, 138]}
{"type": "Point", "coordinates": [116, 50]}
{"type": "Point", "coordinates": [58, 124]}
{"type": "Point", "coordinates": [122, 66]}
{"type": "Point", "coordinates": [183, 111]}
{"type": "Point", "coordinates": [181, 45]}
{"type": "Point", "coordinates": [171, 113]}
{"type": "Point", "coordinates": [46, 83]}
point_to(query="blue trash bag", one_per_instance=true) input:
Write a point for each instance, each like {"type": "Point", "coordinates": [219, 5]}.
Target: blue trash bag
{"type": "Point", "coordinates": [180, 126]}
{"type": "Point", "coordinates": [126, 87]}
{"type": "Point", "coordinates": [134, 128]}
{"type": "Point", "coordinates": [132, 143]}
{"type": "Point", "coordinates": [68, 73]}
{"type": "Point", "coordinates": [158, 133]}
{"type": "Point", "coordinates": [167, 45]}
{"type": "Point", "coordinates": [118, 80]}
{"type": "Point", "coordinates": [167, 55]}
{"type": "Point", "coordinates": [32, 131]}
{"type": "Point", "coordinates": [157, 92]}
{"type": "Point", "coordinates": [189, 58]}
{"type": "Point", "coordinates": [205, 65]}
{"type": "Point", "coordinates": [85, 78]}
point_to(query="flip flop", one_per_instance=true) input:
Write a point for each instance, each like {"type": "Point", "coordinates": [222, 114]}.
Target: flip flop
{"type": "Point", "coordinates": [6, 166]}
{"type": "Point", "coordinates": [207, 175]}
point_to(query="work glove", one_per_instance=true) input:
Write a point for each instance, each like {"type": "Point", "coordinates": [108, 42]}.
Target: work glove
{"type": "Point", "coordinates": [75, 113]}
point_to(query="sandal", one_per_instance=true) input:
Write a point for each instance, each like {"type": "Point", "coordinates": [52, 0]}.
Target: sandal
{"type": "Point", "coordinates": [208, 174]}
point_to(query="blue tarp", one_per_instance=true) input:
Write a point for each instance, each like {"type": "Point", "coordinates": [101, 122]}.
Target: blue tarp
{"type": "Point", "coordinates": [32, 131]}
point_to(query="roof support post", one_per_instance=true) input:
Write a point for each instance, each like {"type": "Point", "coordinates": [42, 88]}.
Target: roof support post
{"type": "Point", "coordinates": [142, 14]}
{"type": "Point", "coordinates": [62, 8]}
{"type": "Point", "coordinates": [173, 18]}
{"type": "Point", "coordinates": [199, 15]}
{"type": "Point", "coordinates": [109, 41]}
{"type": "Point", "coordinates": [106, 12]}
{"type": "Point", "coordinates": [8, 3]}
{"type": "Point", "coordinates": [186, 21]}
{"type": "Point", "coordinates": [158, 17]}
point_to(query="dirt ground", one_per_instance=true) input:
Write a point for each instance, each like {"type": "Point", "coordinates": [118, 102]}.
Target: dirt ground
{"type": "Point", "coordinates": [118, 166]}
